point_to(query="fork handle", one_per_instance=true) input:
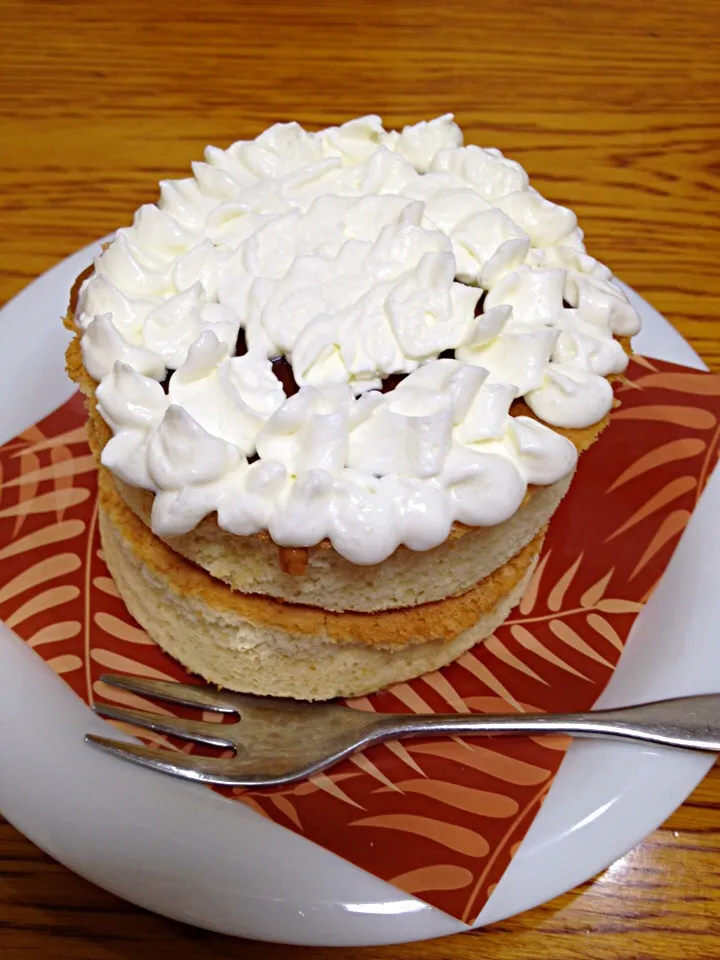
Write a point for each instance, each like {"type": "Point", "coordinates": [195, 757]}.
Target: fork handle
{"type": "Point", "coordinates": [691, 723]}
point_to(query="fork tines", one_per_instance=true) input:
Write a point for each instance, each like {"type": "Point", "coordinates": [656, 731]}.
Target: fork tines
{"type": "Point", "coordinates": [205, 769]}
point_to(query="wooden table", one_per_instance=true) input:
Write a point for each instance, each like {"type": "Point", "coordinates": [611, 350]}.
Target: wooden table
{"type": "Point", "coordinates": [613, 106]}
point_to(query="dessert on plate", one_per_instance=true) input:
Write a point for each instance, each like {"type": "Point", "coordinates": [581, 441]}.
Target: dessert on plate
{"type": "Point", "coordinates": [338, 383]}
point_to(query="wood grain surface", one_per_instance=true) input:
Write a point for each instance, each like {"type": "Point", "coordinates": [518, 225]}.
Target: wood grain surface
{"type": "Point", "coordinates": [614, 108]}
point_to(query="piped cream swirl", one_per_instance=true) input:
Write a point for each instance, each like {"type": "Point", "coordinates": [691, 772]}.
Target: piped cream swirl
{"type": "Point", "coordinates": [356, 253]}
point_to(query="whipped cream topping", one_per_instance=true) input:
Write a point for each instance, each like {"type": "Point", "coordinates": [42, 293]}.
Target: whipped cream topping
{"type": "Point", "coordinates": [356, 253]}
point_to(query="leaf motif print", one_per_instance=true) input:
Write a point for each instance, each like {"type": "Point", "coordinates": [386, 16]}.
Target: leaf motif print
{"type": "Point", "coordinates": [122, 664]}
{"type": "Point", "coordinates": [441, 685]}
{"type": "Point", "coordinates": [666, 453]}
{"type": "Point", "coordinates": [106, 585]}
{"type": "Point", "coordinates": [644, 362]}
{"type": "Point", "coordinates": [46, 503]}
{"type": "Point", "coordinates": [531, 594]}
{"type": "Point", "coordinates": [360, 703]}
{"type": "Point", "coordinates": [394, 746]}
{"type": "Point", "coordinates": [438, 876]}
{"type": "Point", "coordinates": [76, 435]}
{"type": "Point", "coordinates": [28, 463]}
{"type": "Point", "coordinates": [695, 418]}
{"type": "Point", "coordinates": [601, 625]}
{"type": "Point", "coordinates": [449, 835]}
{"type": "Point", "coordinates": [285, 806]}
{"type": "Point", "coordinates": [498, 705]}
{"type": "Point", "coordinates": [573, 639]}
{"type": "Point", "coordinates": [41, 602]}
{"type": "Point", "coordinates": [44, 570]}
{"type": "Point", "coordinates": [64, 468]}
{"type": "Point", "coordinates": [480, 802]}
{"type": "Point", "coordinates": [553, 741]}
{"type": "Point", "coordinates": [597, 591]}
{"type": "Point", "coordinates": [121, 630]}
{"type": "Point", "coordinates": [499, 650]}
{"type": "Point", "coordinates": [557, 594]}
{"type": "Point", "coordinates": [410, 697]}
{"type": "Point", "coordinates": [486, 676]}
{"type": "Point", "coordinates": [52, 533]}
{"type": "Point", "coordinates": [509, 769]}
{"type": "Point", "coordinates": [365, 764]}
{"type": "Point", "coordinates": [699, 384]}
{"type": "Point", "coordinates": [671, 491]}
{"type": "Point", "coordinates": [62, 480]}
{"type": "Point", "coordinates": [306, 787]}
{"type": "Point", "coordinates": [613, 605]}
{"type": "Point", "coordinates": [55, 632]}
{"type": "Point", "coordinates": [672, 526]}
{"type": "Point", "coordinates": [127, 699]}
{"type": "Point", "coordinates": [65, 663]}
{"type": "Point", "coordinates": [329, 784]}
{"type": "Point", "coordinates": [530, 642]}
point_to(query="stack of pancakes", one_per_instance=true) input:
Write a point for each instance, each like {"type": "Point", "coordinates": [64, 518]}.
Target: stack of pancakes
{"type": "Point", "coordinates": [248, 615]}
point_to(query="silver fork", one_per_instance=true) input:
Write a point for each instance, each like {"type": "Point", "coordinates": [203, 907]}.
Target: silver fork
{"type": "Point", "coordinates": [277, 742]}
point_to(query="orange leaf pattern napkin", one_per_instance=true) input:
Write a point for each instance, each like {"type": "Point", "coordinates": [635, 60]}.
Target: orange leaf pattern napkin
{"type": "Point", "coordinates": [440, 819]}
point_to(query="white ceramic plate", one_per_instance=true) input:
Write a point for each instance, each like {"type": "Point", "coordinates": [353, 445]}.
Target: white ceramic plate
{"type": "Point", "coordinates": [187, 853]}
